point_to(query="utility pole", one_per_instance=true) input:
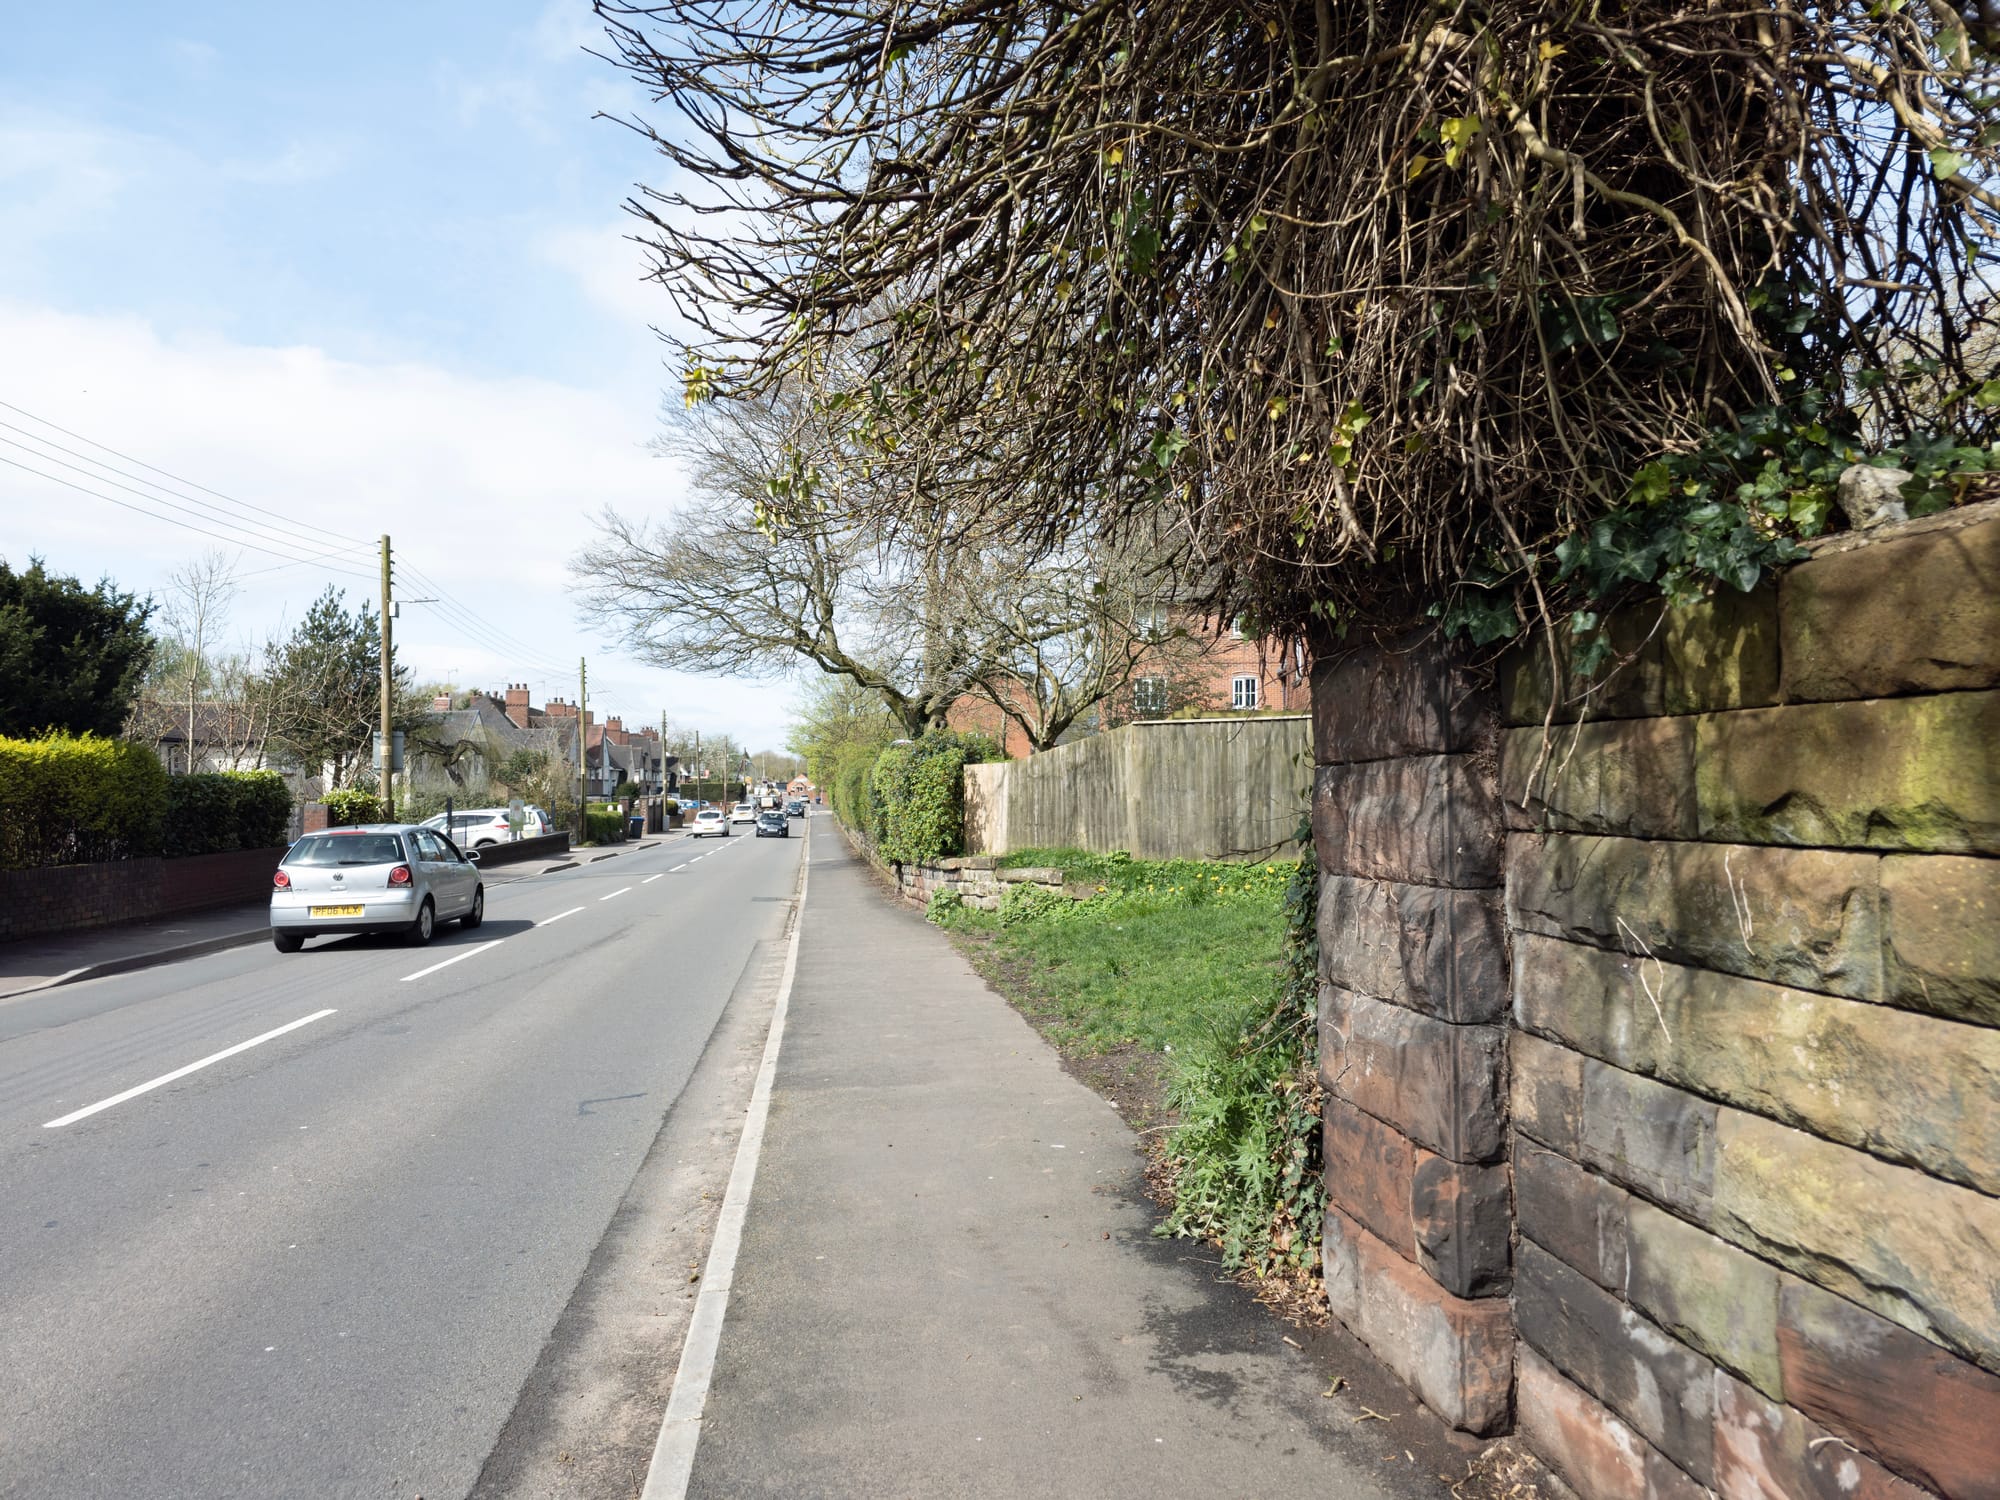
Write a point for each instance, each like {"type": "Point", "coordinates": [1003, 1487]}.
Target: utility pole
{"type": "Point", "coordinates": [388, 750]}
{"type": "Point", "coordinates": [582, 781]}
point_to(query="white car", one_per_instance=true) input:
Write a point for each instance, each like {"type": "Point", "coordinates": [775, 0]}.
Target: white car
{"type": "Point", "coordinates": [743, 812]}
{"type": "Point", "coordinates": [476, 827]}
{"type": "Point", "coordinates": [709, 820]}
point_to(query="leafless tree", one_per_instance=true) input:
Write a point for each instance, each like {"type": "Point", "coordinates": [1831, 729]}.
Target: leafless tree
{"type": "Point", "coordinates": [196, 611]}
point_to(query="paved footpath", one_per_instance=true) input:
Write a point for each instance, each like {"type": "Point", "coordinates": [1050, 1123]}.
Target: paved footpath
{"type": "Point", "coordinates": [948, 1283]}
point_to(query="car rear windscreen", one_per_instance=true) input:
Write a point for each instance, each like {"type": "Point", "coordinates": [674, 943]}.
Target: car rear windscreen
{"type": "Point", "coordinates": [346, 849]}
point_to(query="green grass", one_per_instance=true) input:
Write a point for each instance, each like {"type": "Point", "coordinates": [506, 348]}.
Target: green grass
{"type": "Point", "coordinates": [1164, 953]}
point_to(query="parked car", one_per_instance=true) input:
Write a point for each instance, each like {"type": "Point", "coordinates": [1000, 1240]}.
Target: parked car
{"type": "Point", "coordinates": [381, 877]}
{"type": "Point", "coordinates": [796, 807]}
{"type": "Point", "coordinates": [743, 812]}
{"type": "Point", "coordinates": [475, 828]}
{"type": "Point", "coordinates": [772, 822]}
{"type": "Point", "coordinates": [708, 820]}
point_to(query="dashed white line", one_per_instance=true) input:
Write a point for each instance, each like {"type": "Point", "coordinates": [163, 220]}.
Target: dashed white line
{"type": "Point", "coordinates": [619, 892]}
{"type": "Point", "coordinates": [651, 878]}
{"type": "Point", "coordinates": [559, 916]}
{"type": "Point", "coordinates": [193, 1067]}
{"type": "Point", "coordinates": [456, 958]}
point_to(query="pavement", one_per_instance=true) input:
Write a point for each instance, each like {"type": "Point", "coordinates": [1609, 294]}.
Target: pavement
{"type": "Point", "coordinates": [949, 1285]}
{"type": "Point", "coordinates": [39, 963]}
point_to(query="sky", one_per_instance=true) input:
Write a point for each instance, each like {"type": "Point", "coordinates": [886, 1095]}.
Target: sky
{"type": "Point", "coordinates": [301, 276]}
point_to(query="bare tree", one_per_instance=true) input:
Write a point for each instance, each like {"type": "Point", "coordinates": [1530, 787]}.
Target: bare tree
{"type": "Point", "coordinates": [195, 612]}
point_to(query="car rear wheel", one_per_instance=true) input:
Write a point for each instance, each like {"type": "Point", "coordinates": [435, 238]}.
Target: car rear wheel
{"type": "Point", "coordinates": [478, 913]}
{"type": "Point", "coordinates": [287, 942]}
{"type": "Point", "coordinates": [425, 927]}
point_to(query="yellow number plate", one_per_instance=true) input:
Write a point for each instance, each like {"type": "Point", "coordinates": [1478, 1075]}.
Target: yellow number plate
{"type": "Point", "coordinates": [336, 911]}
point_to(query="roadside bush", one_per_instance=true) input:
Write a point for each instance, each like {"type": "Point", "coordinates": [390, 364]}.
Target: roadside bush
{"type": "Point", "coordinates": [919, 794]}
{"type": "Point", "coordinates": [349, 805]}
{"type": "Point", "coordinates": [945, 909]}
{"type": "Point", "coordinates": [69, 799]}
{"type": "Point", "coordinates": [604, 828]}
{"type": "Point", "coordinates": [216, 812]}
{"type": "Point", "coordinates": [1029, 903]}
{"type": "Point", "coordinates": [850, 789]}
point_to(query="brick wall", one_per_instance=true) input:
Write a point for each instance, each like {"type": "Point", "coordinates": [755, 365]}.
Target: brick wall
{"type": "Point", "coordinates": [69, 898]}
{"type": "Point", "coordinates": [1747, 1006]}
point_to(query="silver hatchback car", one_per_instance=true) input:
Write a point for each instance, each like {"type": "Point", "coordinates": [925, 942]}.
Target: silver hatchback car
{"type": "Point", "coordinates": [383, 877]}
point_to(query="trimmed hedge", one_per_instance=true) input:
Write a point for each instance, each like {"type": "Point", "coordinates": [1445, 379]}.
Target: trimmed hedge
{"type": "Point", "coordinates": [918, 790]}
{"type": "Point", "coordinates": [72, 799]}
{"type": "Point", "coordinates": [604, 828]}
{"type": "Point", "coordinates": [216, 812]}
{"type": "Point", "coordinates": [351, 806]}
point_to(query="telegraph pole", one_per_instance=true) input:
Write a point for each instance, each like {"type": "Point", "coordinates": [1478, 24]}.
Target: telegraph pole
{"type": "Point", "coordinates": [388, 743]}
{"type": "Point", "coordinates": [582, 781]}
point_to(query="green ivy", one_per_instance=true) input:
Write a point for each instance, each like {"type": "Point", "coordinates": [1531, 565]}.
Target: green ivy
{"type": "Point", "coordinates": [918, 795]}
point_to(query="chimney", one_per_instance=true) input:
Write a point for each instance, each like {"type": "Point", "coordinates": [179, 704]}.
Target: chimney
{"type": "Point", "coordinates": [517, 704]}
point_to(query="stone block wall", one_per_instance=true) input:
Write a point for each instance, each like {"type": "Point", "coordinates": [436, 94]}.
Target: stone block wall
{"type": "Point", "coordinates": [1753, 908]}
{"type": "Point", "coordinates": [1407, 829]}
{"type": "Point", "coordinates": [1660, 1020]}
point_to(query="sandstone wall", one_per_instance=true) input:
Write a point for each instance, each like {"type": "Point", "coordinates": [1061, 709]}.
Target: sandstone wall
{"type": "Point", "coordinates": [1741, 990]}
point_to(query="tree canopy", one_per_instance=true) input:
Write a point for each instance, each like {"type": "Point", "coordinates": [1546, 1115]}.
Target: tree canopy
{"type": "Point", "coordinates": [71, 658]}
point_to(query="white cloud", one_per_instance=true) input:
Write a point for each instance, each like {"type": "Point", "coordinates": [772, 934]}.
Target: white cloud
{"type": "Point", "coordinates": [486, 485]}
{"type": "Point", "coordinates": [609, 267]}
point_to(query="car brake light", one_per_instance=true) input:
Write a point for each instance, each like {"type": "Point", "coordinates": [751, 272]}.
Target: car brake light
{"type": "Point", "coordinates": [281, 881]}
{"type": "Point", "coordinates": [400, 875]}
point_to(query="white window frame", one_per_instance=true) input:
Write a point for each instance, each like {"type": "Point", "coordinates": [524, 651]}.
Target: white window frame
{"type": "Point", "coordinates": [1243, 691]}
{"type": "Point", "coordinates": [1149, 695]}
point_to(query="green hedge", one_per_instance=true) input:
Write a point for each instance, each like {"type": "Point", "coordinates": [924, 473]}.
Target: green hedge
{"type": "Point", "coordinates": [69, 799]}
{"type": "Point", "coordinates": [215, 812]}
{"type": "Point", "coordinates": [918, 790]}
{"type": "Point", "coordinates": [351, 806]}
{"type": "Point", "coordinates": [604, 828]}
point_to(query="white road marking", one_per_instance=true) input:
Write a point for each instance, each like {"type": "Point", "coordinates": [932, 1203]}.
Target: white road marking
{"type": "Point", "coordinates": [456, 958]}
{"type": "Point", "coordinates": [193, 1067]}
{"type": "Point", "coordinates": [619, 892]}
{"type": "Point", "coordinates": [651, 878]}
{"type": "Point", "coordinates": [680, 1430]}
{"type": "Point", "coordinates": [559, 916]}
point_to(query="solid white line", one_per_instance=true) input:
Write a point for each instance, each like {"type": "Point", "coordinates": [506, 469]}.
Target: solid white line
{"type": "Point", "coordinates": [680, 1430]}
{"type": "Point", "coordinates": [651, 878]}
{"type": "Point", "coordinates": [619, 892]}
{"type": "Point", "coordinates": [559, 916]}
{"type": "Point", "coordinates": [456, 958]}
{"type": "Point", "coordinates": [193, 1067]}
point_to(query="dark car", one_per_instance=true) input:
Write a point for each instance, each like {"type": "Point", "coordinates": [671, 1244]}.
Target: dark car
{"type": "Point", "coordinates": [796, 807]}
{"type": "Point", "coordinates": [773, 822]}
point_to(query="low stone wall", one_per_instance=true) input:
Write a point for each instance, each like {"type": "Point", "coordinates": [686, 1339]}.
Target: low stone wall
{"type": "Point", "coordinates": [1663, 1043]}
{"type": "Point", "coordinates": [1159, 789]}
{"type": "Point", "coordinates": [976, 878]}
{"type": "Point", "coordinates": [69, 898]}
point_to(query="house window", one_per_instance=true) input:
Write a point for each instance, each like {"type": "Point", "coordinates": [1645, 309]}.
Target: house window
{"type": "Point", "coordinates": [1242, 692]}
{"type": "Point", "coordinates": [1149, 695]}
{"type": "Point", "coordinates": [1152, 623]}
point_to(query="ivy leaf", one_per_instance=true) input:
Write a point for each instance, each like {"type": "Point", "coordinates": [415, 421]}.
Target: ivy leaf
{"type": "Point", "coordinates": [1457, 134]}
{"type": "Point", "coordinates": [1945, 162]}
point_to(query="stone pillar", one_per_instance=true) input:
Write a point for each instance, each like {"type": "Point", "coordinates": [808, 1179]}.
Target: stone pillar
{"type": "Point", "coordinates": [1413, 1008]}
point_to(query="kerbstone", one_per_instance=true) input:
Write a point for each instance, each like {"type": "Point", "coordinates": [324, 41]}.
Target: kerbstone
{"type": "Point", "coordinates": [1441, 1085]}
{"type": "Point", "coordinates": [1913, 614]}
{"type": "Point", "coordinates": [1941, 922]}
{"type": "Point", "coordinates": [1545, 1095]}
{"type": "Point", "coordinates": [1884, 773]}
{"type": "Point", "coordinates": [1916, 1250]}
{"type": "Point", "coordinates": [1806, 917]}
{"type": "Point", "coordinates": [1628, 776]}
{"type": "Point", "coordinates": [1658, 1140]}
{"type": "Point", "coordinates": [1416, 696]}
{"type": "Point", "coordinates": [1930, 1416]}
{"type": "Point", "coordinates": [1434, 949]}
{"type": "Point", "coordinates": [1663, 1389]}
{"type": "Point", "coordinates": [1840, 1068]}
{"type": "Point", "coordinates": [1706, 1293]}
{"type": "Point", "coordinates": [1456, 1353]}
{"type": "Point", "coordinates": [1722, 652]}
{"type": "Point", "coordinates": [1573, 1213]}
{"type": "Point", "coordinates": [1766, 1451]}
{"type": "Point", "coordinates": [1427, 820]}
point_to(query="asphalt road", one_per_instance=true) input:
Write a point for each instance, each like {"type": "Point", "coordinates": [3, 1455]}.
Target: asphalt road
{"type": "Point", "coordinates": [327, 1264]}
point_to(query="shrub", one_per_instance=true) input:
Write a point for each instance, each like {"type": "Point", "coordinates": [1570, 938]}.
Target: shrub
{"type": "Point", "coordinates": [349, 805]}
{"type": "Point", "coordinates": [918, 790]}
{"type": "Point", "coordinates": [1028, 903]}
{"type": "Point", "coordinates": [604, 828]}
{"type": "Point", "coordinates": [944, 908]}
{"type": "Point", "coordinates": [75, 798]}
{"type": "Point", "coordinates": [215, 812]}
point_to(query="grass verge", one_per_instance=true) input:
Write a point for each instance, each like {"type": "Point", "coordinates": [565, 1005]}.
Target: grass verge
{"type": "Point", "coordinates": [1186, 990]}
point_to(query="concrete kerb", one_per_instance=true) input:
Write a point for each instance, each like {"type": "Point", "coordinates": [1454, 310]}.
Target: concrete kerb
{"type": "Point", "coordinates": [133, 961]}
